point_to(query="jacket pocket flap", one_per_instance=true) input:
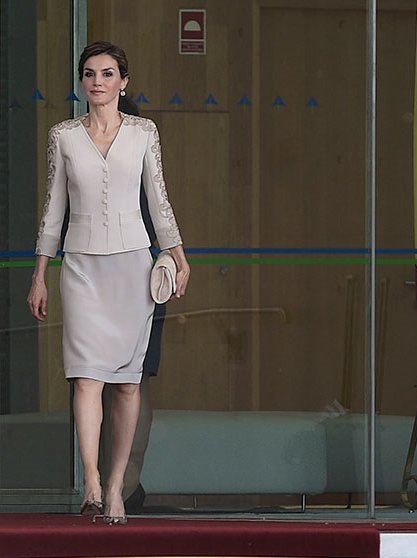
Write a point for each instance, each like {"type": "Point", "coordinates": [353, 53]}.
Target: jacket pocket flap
{"type": "Point", "coordinates": [80, 218]}
{"type": "Point", "coordinates": [130, 216]}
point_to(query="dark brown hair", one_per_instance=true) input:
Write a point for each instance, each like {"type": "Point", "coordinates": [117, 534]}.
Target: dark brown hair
{"type": "Point", "coordinates": [103, 47]}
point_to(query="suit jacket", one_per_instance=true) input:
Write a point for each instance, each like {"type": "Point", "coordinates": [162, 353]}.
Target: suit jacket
{"type": "Point", "coordinates": [105, 215]}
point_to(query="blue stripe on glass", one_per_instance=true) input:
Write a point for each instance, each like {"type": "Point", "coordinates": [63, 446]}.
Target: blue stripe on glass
{"type": "Point", "coordinates": [251, 251]}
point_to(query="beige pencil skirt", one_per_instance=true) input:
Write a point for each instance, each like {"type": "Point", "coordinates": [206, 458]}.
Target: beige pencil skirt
{"type": "Point", "coordinates": [107, 314]}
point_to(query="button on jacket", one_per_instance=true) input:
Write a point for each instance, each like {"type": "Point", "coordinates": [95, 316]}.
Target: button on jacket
{"type": "Point", "coordinates": [103, 193]}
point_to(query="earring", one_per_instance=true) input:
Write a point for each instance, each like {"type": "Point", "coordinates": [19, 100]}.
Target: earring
{"type": "Point", "coordinates": [122, 92]}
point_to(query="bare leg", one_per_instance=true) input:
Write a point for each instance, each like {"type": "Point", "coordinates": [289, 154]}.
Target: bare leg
{"type": "Point", "coordinates": [88, 415]}
{"type": "Point", "coordinates": [124, 418]}
{"type": "Point", "coordinates": [140, 441]}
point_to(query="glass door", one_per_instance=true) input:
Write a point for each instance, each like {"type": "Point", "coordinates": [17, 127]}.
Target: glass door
{"type": "Point", "coordinates": [264, 368]}
{"type": "Point", "coordinates": [313, 213]}
{"type": "Point", "coordinates": [396, 348]}
{"type": "Point", "coordinates": [36, 436]}
{"type": "Point", "coordinates": [263, 375]}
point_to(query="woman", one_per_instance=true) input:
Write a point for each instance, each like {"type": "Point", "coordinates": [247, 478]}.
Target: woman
{"type": "Point", "coordinates": [98, 161]}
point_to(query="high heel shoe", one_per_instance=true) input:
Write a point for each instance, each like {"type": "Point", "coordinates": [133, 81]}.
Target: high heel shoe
{"type": "Point", "coordinates": [115, 520]}
{"type": "Point", "coordinates": [92, 507]}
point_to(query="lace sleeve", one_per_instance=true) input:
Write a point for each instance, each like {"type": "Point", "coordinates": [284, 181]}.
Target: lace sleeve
{"type": "Point", "coordinates": [49, 234]}
{"type": "Point", "coordinates": [161, 211]}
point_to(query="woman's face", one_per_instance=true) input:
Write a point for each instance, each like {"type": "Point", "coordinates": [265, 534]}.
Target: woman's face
{"type": "Point", "coordinates": [101, 80]}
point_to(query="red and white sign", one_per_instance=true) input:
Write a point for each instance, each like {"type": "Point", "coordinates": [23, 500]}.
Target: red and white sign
{"type": "Point", "coordinates": [192, 31]}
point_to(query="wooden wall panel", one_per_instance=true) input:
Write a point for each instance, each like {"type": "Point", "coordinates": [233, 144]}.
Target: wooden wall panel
{"type": "Point", "coordinates": [313, 195]}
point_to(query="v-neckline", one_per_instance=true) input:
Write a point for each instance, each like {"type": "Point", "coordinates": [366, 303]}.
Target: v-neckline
{"type": "Point", "coordinates": [93, 142]}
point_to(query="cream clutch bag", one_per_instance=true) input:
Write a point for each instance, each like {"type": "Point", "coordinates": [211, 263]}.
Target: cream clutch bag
{"type": "Point", "coordinates": [163, 277]}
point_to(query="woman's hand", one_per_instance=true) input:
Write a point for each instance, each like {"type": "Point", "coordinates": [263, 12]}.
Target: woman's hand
{"type": "Point", "coordinates": [38, 295]}
{"type": "Point", "coordinates": [37, 300]}
{"type": "Point", "coordinates": [183, 271]}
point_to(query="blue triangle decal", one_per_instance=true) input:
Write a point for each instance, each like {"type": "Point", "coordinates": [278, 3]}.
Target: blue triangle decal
{"type": "Point", "coordinates": [210, 100]}
{"type": "Point", "coordinates": [176, 100]}
{"type": "Point", "coordinates": [37, 96]}
{"type": "Point", "coordinates": [141, 99]}
{"type": "Point", "coordinates": [245, 101]}
{"type": "Point", "coordinates": [72, 97]}
{"type": "Point", "coordinates": [279, 102]}
{"type": "Point", "coordinates": [312, 103]}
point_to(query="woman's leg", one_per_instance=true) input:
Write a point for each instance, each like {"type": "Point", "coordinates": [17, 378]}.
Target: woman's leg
{"type": "Point", "coordinates": [124, 418]}
{"type": "Point", "coordinates": [141, 439]}
{"type": "Point", "coordinates": [88, 414]}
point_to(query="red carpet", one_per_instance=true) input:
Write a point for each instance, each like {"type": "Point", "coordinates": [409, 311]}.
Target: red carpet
{"type": "Point", "coordinates": [58, 536]}
{"type": "Point", "coordinates": [397, 527]}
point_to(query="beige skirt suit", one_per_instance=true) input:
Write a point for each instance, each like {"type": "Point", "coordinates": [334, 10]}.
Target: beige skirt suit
{"type": "Point", "coordinates": [107, 307]}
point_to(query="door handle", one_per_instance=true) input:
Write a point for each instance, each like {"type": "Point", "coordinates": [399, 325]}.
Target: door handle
{"type": "Point", "coordinates": [410, 284]}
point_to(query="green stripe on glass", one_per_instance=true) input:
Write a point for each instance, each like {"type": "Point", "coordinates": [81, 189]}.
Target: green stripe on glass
{"type": "Point", "coordinates": [254, 260]}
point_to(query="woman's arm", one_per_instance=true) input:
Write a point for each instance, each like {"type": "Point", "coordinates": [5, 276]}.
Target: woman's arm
{"type": "Point", "coordinates": [49, 235]}
{"type": "Point", "coordinates": [51, 223]}
{"type": "Point", "coordinates": [162, 215]}
{"type": "Point", "coordinates": [38, 294]}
